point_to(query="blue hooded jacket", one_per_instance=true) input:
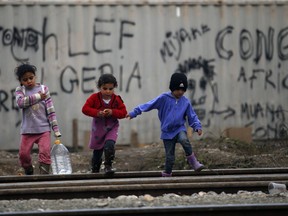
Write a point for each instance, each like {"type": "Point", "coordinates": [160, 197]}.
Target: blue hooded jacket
{"type": "Point", "coordinates": [172, 114]}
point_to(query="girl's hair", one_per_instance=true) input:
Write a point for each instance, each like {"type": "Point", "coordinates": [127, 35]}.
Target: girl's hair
{"type": "Point", "coordinates": [22, 69]}
{"type": "Point", "coordinates": [107, 78]}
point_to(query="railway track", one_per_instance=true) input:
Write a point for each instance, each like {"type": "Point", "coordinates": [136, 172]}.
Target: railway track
{"type": "Point", "coordinates": [138, 183]}
{"type": "Point", "coordinates": [240, 171]}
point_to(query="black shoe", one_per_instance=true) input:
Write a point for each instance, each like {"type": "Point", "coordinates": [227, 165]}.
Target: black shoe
{"type": "Point", "coordinates": [95, 165]}
{"type": "Point", "coordinates": [95, 170]}
{"type": "Point", "coordinates": [109, 170]}
{"type": "Point", "coordinates": [29, 170]}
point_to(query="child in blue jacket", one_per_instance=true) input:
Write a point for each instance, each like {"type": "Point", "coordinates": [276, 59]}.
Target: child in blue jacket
{"type": "Point", "coordinates": [173, 109]}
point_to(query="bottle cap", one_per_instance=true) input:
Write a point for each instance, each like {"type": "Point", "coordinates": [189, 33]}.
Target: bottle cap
{"type": "Point", "coordinates": [57, 142]}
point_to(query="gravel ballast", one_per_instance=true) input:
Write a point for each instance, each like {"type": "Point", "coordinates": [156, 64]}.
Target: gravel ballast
{"type": "Point", "coordinates": [201, 198]}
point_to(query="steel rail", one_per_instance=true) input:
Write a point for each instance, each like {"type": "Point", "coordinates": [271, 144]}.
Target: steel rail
{"type": "Point", "coordinates": [151, 180]}
{"type": "Point", "coordinates": [138, 186]}
{"type": "Point", "coordinates": [82, 176]}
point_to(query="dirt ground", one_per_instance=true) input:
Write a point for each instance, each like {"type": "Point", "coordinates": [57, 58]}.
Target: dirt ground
{"type": "Point", "coordinates": [214, 154]}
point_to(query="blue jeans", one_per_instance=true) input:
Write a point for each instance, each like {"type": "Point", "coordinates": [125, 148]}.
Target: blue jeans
{"type": "Point", "coordinates": [170, 144]}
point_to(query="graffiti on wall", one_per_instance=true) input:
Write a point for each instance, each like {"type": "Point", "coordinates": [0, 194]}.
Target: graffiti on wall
{"type": "Point", "coordinates": [31, 39]}
{"type": "Point", "coordinates": [263, 46]}
{"type": "Point", "coordinates": [203, 87]}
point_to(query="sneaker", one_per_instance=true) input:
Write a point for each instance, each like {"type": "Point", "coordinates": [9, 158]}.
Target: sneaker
{"type": "Point", "coordinates": [109, 170]}
{"type": "Point", "coordinates": [95, 170]}
{"type": "Point", "coordinates": [29, 170]}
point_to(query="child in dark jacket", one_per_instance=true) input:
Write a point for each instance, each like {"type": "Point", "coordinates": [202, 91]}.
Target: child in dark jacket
{"type": "Point", "coordinates": [106, 108]}
{"type": "Point", "coordinates": [173, 109]}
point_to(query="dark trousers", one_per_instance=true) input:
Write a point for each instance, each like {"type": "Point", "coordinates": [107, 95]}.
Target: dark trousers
{"type": "Point", "coordinates": [170, 144]}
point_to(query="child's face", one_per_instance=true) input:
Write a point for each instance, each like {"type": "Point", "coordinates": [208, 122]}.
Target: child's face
{"type": "Point", "coordinates": [178, 93]}
{"type": "Point", "coordinates": [28, 80]}
{"type": "Point", "coordinates": [107, 90]}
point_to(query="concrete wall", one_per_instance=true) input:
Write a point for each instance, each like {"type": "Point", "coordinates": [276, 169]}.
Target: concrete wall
{"type": "Point", "coordinates": [235, 56]}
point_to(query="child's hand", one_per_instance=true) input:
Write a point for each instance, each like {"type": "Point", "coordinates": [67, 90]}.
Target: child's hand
{"type": "Point", "coordinates": [199, 132]}
{"type": "Point", "coordinates": [128, 116]}
{"type": "Point", "coordinates": [107, 112]}
{"type": "Point", "coordinates": [42, 95]}
{"type": "Point", "coordinates": [57, 134]}
{"type": "Point", "coordinates": [100, 114]}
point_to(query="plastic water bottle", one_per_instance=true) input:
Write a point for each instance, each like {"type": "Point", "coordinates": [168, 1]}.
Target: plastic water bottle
{"type": "Point", "coordinates": [60, 157]}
